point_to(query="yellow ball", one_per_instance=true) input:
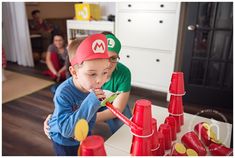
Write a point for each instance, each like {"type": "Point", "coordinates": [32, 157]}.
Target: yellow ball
{"type": "Point", "coordinates": [81, 130]}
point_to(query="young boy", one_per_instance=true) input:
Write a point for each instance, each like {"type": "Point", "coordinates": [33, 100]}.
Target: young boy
{"type": "Point", "coordinates": [119, 80]}
{"type": "Point", "coordinates": [78, 96]}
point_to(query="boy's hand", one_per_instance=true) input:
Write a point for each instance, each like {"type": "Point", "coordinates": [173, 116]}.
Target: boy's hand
{"type": "Point", "coordinates": [110, 99]}
{"type": "Point", "coordinates": [46, 127]}
{"type": "Point", "coordinates": [100, 94]}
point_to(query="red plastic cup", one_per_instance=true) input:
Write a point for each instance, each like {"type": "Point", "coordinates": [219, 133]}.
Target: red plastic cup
{"type": "Point", "coordinates": [165, 129]}
{"type": "Point", "coordinates": [154, 138]}
{"type": "Point", "coordinates": [142, 116]}
{"type": "Point", "coordinates": [202, 133]}
{"type": "Point", "coordinates": [220, 150]}
{"type": "Point", "coordinates": [191, 140]}
{"type": "Point", "coordinates": [170, 120]}
{"type": "Point", "coordinates": [141, 141]}
{"type": "Point", "coordinates": [161, 150]}
{"type": "Point", "coordinates": [92, 146]}
{"type": "Point", "coordinates": [177, 120]}
{"type": "Point", "coordinates": [175, 105]}
{"type": "Point", "coordinates": [141, 146]}
{"type": "Point", "coordinates": [178, 149]}
{"type": "Point", "coordinates": [177, 83]}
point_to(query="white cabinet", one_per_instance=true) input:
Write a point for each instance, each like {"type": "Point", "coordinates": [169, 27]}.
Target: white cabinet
{"type": "Point", "coordinates": [149, 68]}
{"type": "Point", "coordinates": [148, 33]}
{"type": "Point", "coordinates": [145, 30]}
{"type": "Point", "coordinates": [148, 6]}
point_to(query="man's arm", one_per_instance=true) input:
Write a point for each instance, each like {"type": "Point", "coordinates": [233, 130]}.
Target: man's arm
{"type": "Point", "coordinates": [119, 103]}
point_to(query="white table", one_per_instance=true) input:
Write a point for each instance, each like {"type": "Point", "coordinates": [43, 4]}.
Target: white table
{"type": "Point", "coordinates": [119, 143]}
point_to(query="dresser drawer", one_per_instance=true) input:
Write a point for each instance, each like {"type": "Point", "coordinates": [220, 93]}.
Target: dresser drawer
{"type": "Point", "coordinates": [147, 30]}
{"type": "Point", "coordinates": [148, 68]}
{"type": "Point", "coordinates": [148, 6]}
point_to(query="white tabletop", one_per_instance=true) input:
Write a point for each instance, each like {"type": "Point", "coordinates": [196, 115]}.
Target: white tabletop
{"type": "Point", "coordinates": [120, 142]}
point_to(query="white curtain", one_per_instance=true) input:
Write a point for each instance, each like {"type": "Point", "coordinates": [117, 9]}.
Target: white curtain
{"type": "Point", "coordinates": [15, 33]}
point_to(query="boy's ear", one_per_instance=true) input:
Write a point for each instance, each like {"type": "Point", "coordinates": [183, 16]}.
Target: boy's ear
{"type": "Point", "coordinates": [72, 71]}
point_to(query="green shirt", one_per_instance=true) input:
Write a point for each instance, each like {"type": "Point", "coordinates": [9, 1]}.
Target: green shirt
{"type": "Point", "coordinates": [120, 80]}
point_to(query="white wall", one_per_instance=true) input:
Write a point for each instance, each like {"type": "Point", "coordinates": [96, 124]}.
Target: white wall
{"type": "Point", "coordinates": [107, 8]}
{"type": "Point", "coordinates": [64, 9]}
{"type": "Point", "coordinates": [52, 9]}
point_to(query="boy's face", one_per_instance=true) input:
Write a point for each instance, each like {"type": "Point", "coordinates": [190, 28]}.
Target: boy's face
{"type": "Point", "coordinates": [92, 74]}
{"type": "Point", "coordinates": [113, 62]}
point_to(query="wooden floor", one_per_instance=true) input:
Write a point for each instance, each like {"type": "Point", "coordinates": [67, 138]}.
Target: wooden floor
{"type": "Point", "coordinates": [22, 122]}
{"type": "Point", "coordinates": [22, 119]}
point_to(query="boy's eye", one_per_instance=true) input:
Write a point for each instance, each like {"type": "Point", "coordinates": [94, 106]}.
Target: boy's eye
{"type": "Point", "coordinates": [92, 74]}
{"type": "Point", "coordinates": [105, 73]}
{"type": "Point", "coordinates": [114, 59]}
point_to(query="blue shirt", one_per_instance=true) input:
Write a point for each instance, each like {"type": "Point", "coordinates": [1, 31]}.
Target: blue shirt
{"type": "Point", "coordinates": [71, 105]}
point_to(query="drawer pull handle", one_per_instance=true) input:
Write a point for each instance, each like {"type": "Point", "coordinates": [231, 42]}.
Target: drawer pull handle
{"type": "Point", "coordinates": [162, 5]}
{"type": "Point", "coordinates": [129, 5]}
{"type": "Point", "coordinates": [128, 56]}
{"type": "Point", "coordinates": [129, 20]}
{"type": "Point", "coordinates": [157, 60]}
{"type": "Point", "coordinates": [160, 21]}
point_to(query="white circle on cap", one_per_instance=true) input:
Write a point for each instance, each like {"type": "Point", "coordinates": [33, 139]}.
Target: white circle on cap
{"type": "Point", "coordinates": [111, 43]}
{"type": "Point", "coordinates": [98, 46]}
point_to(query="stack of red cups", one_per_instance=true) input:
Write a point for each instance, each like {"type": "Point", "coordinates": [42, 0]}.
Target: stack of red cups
{"type": "Point", "coordinates": [141, 141]}
{"type": "Point", "coordinates": [175, 107]}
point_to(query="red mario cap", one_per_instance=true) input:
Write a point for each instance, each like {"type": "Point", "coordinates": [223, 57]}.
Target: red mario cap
{"type": "Point", "coordinates": [93, 47]}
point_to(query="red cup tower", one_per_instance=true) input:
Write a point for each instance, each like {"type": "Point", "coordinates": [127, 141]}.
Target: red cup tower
{"type": "Point", "coordinates": [141, 141]}
{"type": "Point", "coordinates": [177, 91]}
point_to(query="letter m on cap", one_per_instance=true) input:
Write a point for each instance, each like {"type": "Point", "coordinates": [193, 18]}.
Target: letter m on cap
{"type": "Point", "coordinates": [98, 46]}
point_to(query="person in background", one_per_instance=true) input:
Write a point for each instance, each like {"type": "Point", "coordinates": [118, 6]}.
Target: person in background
{"type": "Point", "coordinates": [40, 26]}
{"type": "Point", "coordinates": [79, 96]}
{"type": "Point", "coordinates": [55, 59]}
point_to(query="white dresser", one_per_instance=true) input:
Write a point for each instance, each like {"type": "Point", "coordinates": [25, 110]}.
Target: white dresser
{"type": "Point", "coordinates": [148, 33]}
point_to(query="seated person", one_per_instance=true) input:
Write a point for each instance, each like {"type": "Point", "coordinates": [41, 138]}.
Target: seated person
{"type": "Point", "coordinates": [40, 26]}
{"type": "Point", "coordinates": [55, 59]}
